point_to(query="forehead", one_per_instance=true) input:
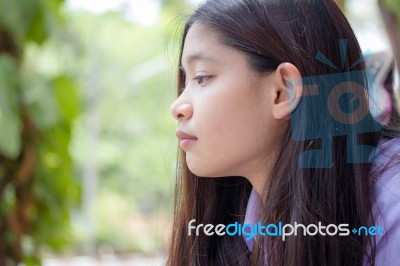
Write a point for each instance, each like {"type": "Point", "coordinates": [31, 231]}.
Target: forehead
{"type": "Point", "coordinates": [202, 43]}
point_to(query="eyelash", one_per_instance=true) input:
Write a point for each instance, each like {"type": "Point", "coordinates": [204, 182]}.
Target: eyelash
{"type": "Point", "coordinates": [198, 78]}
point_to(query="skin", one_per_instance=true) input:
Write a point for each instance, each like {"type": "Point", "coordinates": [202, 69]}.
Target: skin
{"type": "Point", "coordinates": [237, 115]}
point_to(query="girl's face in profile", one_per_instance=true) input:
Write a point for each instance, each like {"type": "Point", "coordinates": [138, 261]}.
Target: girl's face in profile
{"type": "Point", "coordinates": [226, 126]}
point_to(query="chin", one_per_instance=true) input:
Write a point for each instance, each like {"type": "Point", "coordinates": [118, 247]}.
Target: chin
{"type": "Point", "coordinates": [205, 171]}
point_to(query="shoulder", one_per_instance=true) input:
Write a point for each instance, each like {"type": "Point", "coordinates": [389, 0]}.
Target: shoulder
{"type": "Point", "coordinates": [386, 170]}
{"type": "Point", "coordinates": [387, 206]}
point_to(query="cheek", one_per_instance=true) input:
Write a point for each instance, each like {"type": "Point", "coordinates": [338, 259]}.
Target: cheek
{"type": "Point", "coordinates": [235, 119]}
{"type": "Point", "coordinates": [223, 120]}
{"type": "Point", "coordinates": [232, 132]}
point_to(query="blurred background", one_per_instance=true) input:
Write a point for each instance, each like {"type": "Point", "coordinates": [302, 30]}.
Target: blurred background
{"type": "Point", "coordinates": [87, 142]}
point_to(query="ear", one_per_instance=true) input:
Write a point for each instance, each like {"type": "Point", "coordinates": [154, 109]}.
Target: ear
{"type": "Point", "coordinates": [288, 90]}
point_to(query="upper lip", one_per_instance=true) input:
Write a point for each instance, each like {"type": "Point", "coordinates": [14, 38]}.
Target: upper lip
{"type": "Point", "coordinates": [182, 135]}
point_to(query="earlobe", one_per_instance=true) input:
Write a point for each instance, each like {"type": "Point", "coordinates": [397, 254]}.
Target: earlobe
{"type": "Point", "coordinates": [288, 91]}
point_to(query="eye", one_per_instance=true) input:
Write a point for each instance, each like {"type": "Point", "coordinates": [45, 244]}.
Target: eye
{"type": "Point", "coordinates": [201, 79]}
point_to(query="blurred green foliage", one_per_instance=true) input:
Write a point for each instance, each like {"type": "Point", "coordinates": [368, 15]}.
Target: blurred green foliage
{"type": "Point", "coordinates": [394, 5]}
{"type": "Point", "coordinates": [134, 70]}
{"type": "Point", "coordinates": [98, 87]}
{"type": "Point", "coordinates": [37, 109]}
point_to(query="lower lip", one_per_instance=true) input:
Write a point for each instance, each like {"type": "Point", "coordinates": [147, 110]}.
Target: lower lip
{"type": "Point", "coordinates": [187, 142]}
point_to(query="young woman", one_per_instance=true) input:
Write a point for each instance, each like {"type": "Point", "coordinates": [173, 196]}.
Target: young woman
{"type": "Point", "coordinates": [275, 130]}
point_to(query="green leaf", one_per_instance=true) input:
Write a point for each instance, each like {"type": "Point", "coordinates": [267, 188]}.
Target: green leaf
{"type": "Point", "coordinates": [40, 100]}
{"type": "Point", "coordinates": [17, 16]}
{"type": "Point", "coordinates": [8, 85]}
{"type": "Point", "coordinates": [10, 136]}
{"type": "Point", "coordinates": [8, 202]}
{"type": "Point", "coordinates": [67, 96]}
{"type": "Point", "coordinates": [37, 31]}
{"type": "Point", "coordinates": [10, 124]}
{"type": "Point", "coordinates": [32, 261]}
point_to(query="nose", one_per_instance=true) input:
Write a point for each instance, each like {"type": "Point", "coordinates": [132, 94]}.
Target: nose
{"type": "Point", "coordinates": [181, 110]}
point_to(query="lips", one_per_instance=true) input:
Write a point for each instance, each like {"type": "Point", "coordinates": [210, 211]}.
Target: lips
{"type": "Point", "coordinates": [185, 139]}
{"type": "Point", "coordinates": [182, 135]}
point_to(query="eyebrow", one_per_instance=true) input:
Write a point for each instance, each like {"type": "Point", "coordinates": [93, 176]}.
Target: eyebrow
{"type": "Point", "coordinates": [199, 57]}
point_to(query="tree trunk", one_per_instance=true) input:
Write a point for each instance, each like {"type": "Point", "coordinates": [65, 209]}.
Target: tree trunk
{"type": "Point", "coordinates": [16, 173]}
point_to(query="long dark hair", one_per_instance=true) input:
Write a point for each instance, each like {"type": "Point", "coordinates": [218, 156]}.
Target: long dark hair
{"type": "Point", "coordinates": [270, 32]}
